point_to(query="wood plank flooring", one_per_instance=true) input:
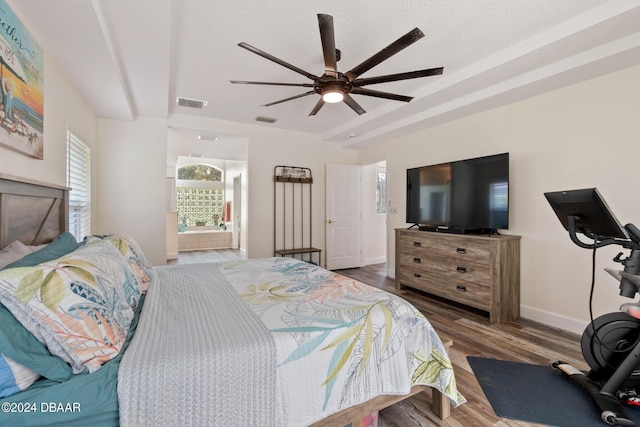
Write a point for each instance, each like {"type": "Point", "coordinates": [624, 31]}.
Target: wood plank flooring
{"type": "Point", "coordinates": [521, 340]}
{"type": "Point", "coordinates": [215, 255]}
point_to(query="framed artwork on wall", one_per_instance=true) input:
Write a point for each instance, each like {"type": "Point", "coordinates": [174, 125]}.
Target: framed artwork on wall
{"type": "Point", "coordinates": [21, 87]}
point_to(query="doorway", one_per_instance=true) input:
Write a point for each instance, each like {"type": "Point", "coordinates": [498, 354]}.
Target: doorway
{"type": "Point", "coordinates": [374, 213]}
{"type": "Point", "coordinates": [355, 215]}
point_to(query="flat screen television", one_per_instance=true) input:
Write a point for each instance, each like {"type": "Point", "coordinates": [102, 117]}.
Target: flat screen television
{"type": "Point", "coordinates": [465, 196]}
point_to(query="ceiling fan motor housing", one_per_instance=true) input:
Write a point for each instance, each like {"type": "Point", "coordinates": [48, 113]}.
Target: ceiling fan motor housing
{"type": "Point", "coordinates": [330, 84]}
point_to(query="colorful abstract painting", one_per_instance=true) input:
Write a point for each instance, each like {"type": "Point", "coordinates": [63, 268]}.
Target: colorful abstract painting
{"type": "Point", "coordinates": [21, 87]}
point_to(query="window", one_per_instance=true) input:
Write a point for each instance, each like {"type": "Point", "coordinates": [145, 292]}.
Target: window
{"type": "Point", "coordinates": [199, 195]}
{"type": "Point", "coordinates": [200, 173]}
{"type": "Point", "coordinates": [79, 179]}
{"type": "Point", "coordinates": [381, 193]}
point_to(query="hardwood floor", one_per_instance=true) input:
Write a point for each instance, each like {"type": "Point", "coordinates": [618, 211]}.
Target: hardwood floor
{"type": "Point", "coordinates": [521, 340]}
{"type": "Point", "coordinates": [191, 257]}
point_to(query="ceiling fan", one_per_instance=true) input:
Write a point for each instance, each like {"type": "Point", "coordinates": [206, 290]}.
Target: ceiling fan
{"type": "Point", "coordinates": [335, 86]}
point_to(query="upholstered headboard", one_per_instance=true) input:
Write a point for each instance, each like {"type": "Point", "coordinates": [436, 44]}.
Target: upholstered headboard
{"type": "Point", "coordinates": [31, 211]}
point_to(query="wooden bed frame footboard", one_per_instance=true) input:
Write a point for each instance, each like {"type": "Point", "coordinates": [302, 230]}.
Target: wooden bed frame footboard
{"type": "Point", "coordinates": [440, 405]}
{"type": "Point", "coordinates": [30, 211]}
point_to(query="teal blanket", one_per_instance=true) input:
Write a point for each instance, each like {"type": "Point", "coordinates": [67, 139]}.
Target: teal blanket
{"type": "Point", "coordinates": [84, 399]}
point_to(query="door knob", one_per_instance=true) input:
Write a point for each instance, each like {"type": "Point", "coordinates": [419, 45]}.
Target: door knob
{"type": "Point", "coordinates": [329, 221]}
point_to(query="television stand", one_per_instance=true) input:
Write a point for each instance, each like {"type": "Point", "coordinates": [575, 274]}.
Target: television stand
{"type": "Point", "coordinates": [482, 272]}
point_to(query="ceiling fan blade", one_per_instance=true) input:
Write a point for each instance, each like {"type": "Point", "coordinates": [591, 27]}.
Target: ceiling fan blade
{"type": "Point", "coordinates": [289, 99]}
{"type": "Point", "coordinates": [327, 37]}
{"type": "Point", "coordinates": [278, 61]}
{"type": "Point", "coordinates": [353, 104]}
{"type": "Point", "coordinates": [317, 108]}
{"type": "Point", "coordinates": [395, 47]}
{"type": "Point", "coordinates": [399, 76]}
{"type": "Point", "coordinates": [378, 94]}
{"type": "Point", "coordinates": [243, 82]}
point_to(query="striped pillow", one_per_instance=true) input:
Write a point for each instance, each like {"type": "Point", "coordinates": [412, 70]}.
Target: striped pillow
{"type": "Point", "coordinates": [14, 377]}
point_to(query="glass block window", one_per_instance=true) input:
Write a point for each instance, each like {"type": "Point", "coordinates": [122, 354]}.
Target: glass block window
{"type": "Point", "coordinates": [199, 206]}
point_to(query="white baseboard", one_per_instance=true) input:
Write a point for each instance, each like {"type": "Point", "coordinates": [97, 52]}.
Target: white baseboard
{"type": "Point", "coordinates": [391, 272]}
{"type": "Point", "coordinates": [553, 319]}
{"type": "Point", "coordinates": [378, 260]}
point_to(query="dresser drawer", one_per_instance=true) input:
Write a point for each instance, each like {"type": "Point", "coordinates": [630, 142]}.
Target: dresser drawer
{"type": "Point", "coordinates": [467, 293]}
{"type": "Point", "coordinates": [471, 250]}
{"type": "Point", "coordinates": [454, 268]}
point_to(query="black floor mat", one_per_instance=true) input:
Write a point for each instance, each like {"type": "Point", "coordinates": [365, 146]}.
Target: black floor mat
{"type": "Point", "coordinates": [537, 394]}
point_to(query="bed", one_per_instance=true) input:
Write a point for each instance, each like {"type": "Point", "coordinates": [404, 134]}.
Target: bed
{"type": "Point", "coordinates": [109, 340]}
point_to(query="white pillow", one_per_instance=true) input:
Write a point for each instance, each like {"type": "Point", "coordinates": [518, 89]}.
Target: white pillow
{"type": "Point", "coordinates": [13, 252]}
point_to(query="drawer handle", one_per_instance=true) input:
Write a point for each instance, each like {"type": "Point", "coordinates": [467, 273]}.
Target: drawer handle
{"type": "Point", "coordinates": [461, 270]}
{"type": "Point", "coordinates": [461, 288]}
{"type": "Point", "coordinates": [416, 260]}
{"type": "Point", "coordinates": [461, 250]}
{"type": "Point", "coordinates": [417, 244]}
{"type": "Point", "coordinates": [417, 275]}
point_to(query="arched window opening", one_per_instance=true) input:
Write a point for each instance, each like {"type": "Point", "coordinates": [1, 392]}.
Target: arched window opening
{"type": "Point", "coordinates": [198, 172]}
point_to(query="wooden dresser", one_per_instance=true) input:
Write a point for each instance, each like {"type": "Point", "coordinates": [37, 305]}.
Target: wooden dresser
{"type": "Point", "coordinates": [478, 271]}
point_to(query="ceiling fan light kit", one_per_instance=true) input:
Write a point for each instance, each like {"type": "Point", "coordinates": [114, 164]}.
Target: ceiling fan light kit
{"type": "Point", "coordinates": [334, 86]}
{"type": "Point", "coordinates": [333, 97]}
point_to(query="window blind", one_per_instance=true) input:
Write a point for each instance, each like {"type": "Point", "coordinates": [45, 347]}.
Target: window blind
{"type": "Point", "coordinates": [79, 180]}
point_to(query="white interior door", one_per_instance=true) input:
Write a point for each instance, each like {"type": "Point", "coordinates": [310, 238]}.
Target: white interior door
{"type": "Point", "coordinates": [343, 216]}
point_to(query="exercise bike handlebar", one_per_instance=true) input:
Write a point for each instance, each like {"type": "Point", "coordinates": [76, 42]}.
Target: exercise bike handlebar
{"type": "Point", "coordinates": [597, 243]}
{"type": "Point", "coordinates": [634, 232]}
{"type": "Point", "coordinates": [631, 264]}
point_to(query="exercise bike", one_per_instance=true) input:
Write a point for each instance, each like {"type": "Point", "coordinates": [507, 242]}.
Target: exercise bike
{"type": "Point", "coordinates": [610, 343]}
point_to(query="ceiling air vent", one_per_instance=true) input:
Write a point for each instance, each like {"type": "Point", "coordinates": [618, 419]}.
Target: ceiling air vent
{"type": "Point", "coordinates": [265, 119]}
{"type": "Point", "coordinates": [207, 138]}
{"type": "Point", "coordinates": [191, 103]}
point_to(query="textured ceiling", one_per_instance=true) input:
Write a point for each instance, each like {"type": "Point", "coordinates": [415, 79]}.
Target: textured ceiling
{"type": "Point", "coordinates": [133, 58]}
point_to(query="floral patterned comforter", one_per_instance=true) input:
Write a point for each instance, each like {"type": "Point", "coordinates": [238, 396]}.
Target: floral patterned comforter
{"type": "Point", "coordinates": [339, 342]}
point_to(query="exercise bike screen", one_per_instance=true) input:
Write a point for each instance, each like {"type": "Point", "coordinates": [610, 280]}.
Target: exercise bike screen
{"type": "Point", "coordinates": [593, 213]}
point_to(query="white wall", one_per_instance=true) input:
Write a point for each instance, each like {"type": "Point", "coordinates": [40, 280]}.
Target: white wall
{"type": "Point", "coordinates": [581, 136]}
{"type": "Point", "coordinates": [267, 151]}
{"type": "Point", "coordinates": [132, 182]}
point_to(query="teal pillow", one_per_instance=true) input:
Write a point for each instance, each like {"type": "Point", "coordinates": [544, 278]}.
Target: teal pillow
{"type": "Point", "coordinates": [62, 245]}
{"type": "Point", "coordinates": [21, 346]}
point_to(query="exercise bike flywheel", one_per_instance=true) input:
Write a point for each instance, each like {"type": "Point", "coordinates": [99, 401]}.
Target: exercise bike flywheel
{"type": "Point", "coordinates": [615, 336]}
